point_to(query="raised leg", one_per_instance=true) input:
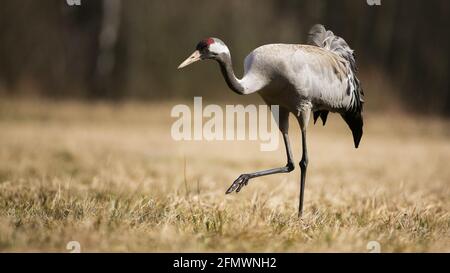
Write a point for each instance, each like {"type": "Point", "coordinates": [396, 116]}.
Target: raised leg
{"type": "Point", "coordinates": [243, 179]}
{"type": "Point", "coordinates": [303, 121]}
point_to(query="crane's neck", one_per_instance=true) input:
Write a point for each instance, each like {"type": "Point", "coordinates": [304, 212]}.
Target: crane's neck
{"type": "Point", "coordinates": [226, 67]}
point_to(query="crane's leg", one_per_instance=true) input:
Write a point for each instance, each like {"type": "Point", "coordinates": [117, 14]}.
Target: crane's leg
{"type": "Point", "coordinates": [243, 179]}
{"type": "Point", "coordinates": [303, 121]}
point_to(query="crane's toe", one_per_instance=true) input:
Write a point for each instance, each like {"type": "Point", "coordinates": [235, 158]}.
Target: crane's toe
{"type": "Point", "coordinates": [239, 183]}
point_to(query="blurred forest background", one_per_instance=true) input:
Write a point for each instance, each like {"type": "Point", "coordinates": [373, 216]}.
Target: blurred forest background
{"type": "Point", "coordinates": [120, 50]}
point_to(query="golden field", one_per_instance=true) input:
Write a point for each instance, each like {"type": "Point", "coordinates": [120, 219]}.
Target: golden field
{"type": "Point", "coordinates": [110, 177]}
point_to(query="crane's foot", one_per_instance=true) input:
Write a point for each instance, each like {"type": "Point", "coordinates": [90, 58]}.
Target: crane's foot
{"type": "Point", "coordinates": [239, 183]}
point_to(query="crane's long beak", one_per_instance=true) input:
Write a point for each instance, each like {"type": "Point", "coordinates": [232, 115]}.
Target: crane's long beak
{"type": "Point", "coordinates": [196, 56]}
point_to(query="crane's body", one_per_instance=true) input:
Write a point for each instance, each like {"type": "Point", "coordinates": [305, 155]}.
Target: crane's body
{"type": "Point", "coordinates": [319, 88]}
{"type": "Point", "coordinates": [319, 77]}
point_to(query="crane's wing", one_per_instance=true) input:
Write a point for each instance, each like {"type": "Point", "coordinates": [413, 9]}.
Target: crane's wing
{"type": "Point", "coordinates": [319, 36]}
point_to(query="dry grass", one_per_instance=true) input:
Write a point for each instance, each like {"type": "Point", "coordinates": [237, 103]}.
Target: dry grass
{"type": "Point", "coordinates": [110, 177]}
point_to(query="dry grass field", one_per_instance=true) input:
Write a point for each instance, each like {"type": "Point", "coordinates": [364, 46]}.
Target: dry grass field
{"type": "Point", "coordinates": [111, 177]}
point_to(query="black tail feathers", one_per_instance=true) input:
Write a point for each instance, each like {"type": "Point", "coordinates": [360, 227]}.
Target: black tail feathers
{"type": "Point", "coordinates": [355, 122]}
{"type": "Point", "coordinates": [323, 116]}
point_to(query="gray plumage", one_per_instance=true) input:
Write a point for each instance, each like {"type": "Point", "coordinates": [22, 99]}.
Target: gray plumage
{"type": "Point", "coordinates": [318, 77]}
{"type": "Point", "coordinates": [326, 39]}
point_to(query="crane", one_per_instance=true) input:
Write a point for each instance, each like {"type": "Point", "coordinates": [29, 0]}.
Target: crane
{"type": "Point", "coordinates": [318, 77]}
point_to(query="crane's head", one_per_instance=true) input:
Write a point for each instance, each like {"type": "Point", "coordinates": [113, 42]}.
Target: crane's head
{"type": "Point", "coordinates": [209, 48]}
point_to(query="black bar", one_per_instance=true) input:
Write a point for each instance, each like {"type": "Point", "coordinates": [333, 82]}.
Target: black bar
{"type": "Point", "coordinates": [221, 262]}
